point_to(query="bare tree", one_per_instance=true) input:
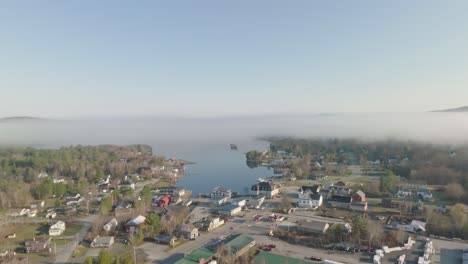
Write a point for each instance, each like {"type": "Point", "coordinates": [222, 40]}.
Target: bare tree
{"type": "Point", "coordinates": [455, 191]}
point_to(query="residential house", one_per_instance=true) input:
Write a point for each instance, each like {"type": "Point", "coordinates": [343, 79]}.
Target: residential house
{"type": "Point", "coordinates": [240, 202]}
{"type": "Point", "coordinates": [37, 245]}
{"type": "Point", "coordinates": [221, 192]}
{"type": "Point", "coordinates": [164, 201]}
{"type": "Point", "coordinates": [424, 193]}
{"type": "Point", "coordinates": [359, 196]}
{"type": "Point", "coordinates": [37, 204]}
{"type": "Point", "coordinates": [188, 231]}
{"type": "Point", "coordinates": [171, 190]}
{"type": "Point", "coordinates": [340, 190]}
{"type": "Point", "coordinates": [51, 213]}
{"type": "Point", "coordinates": [111, 225]}
{"type": "Point", "coordinates": [58, 180]}
{"type": "Point", "coordinates": [74, 201]}
{"type": "Point", "coordinates": [265, 188]}
{"type": "Point", "coordinates": [69, 196]}
{"type": "Point", "coordinates": [312, 226]}
{"type": "Point", "coordinates": [166, 239]}
{"type": "Point", "coordinates": [313, 200]}
{"type": "Point", "coordinates": [340, 201]}
{"type": "Point", "coordinates": [4, 253]}
{"type": "Point", "coordinates": [413, 227]}
{"type": "Point", "coordinates": [102, 242]}
{"type": "Point", "coordinates": [57, 229]}
{"type": "Point", "coordinates": [209, 224]}
{"type": "Point", "coordinates": [32, 213]}
{"type": "Point", "coordinates": [132, 225]}
{"type": "Point", "coordinates": [218, 201]}
{"type": "Point", "coordinates": [229, 209]}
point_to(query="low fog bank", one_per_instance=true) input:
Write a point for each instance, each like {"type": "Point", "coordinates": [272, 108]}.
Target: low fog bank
{"type": "Point", "coordinates": [172, 133]}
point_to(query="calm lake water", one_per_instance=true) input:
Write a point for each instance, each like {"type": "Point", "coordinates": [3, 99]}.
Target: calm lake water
{"type": "Point", "coordinates": [217, 165]}
{"type": "Point", "coordinates": [205, 141]}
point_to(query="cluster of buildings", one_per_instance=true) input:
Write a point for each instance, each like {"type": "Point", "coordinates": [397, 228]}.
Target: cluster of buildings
{"type": "Point", "coordinates": [337, 195]}
{"type": "Point", "coordinates": [168, 195]}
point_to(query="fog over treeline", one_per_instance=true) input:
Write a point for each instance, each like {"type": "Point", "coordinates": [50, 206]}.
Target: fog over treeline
{"type": "Point", "coordinates": [170, 133]}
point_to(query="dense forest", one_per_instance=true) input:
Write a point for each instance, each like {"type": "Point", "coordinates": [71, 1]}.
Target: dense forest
{"type": "Point", "coordinates": [21, 169]}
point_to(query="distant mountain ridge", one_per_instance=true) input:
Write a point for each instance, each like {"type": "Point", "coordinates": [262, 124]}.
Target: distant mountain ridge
{"type": "Point", "coordinates": [20, 118]}
{"type": "Point", "coordinates": [458, 109]}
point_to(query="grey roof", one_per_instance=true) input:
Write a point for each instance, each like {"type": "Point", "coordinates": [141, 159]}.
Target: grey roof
{"type": "Point", "coordinates": [103, 240]}
{"type": "Point", "coordinates": [315, 196]}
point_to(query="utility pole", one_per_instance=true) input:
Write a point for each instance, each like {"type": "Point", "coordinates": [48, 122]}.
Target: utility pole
{"type": "Point", "coordinates": [134, 255]}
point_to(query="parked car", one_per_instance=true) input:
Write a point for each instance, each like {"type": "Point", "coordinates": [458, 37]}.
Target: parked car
{"type": "Point", "coordinates": [314, 258]}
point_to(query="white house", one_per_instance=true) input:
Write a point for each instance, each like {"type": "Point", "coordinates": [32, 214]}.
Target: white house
{"type": "Point", "coordinates": [413, 227]}
{"type": "Point", "coordinates": [221, 192]}
{"type": "Point", "coordinates": [239, 202]}
{"type": "Point", "coordinates": [58, 180]}
{"type": "Point", "coordinates": [32, 213]}
{"type": "Point", "coordinates": [102, 242]}
{"type": "Point", "coordinates": [51, 214]}
{"type": "Point", "coordinates": [214, 223]}
{"type": "Point", "coordinates": [112, 224]}
{"type": "Point", "coordinates": [218, 201]}
{"type": "Point", "coordinates": [57, 229]}
{"type": "Point", "coordinates": [313, 201]}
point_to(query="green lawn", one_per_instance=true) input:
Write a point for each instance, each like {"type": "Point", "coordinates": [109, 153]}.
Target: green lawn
{"type": "Point", "coordinates": [79, 251]}
{"type": "Point", "coordinates": [72, 229]}
{"type": "Point", "coordinates": [23, 232]}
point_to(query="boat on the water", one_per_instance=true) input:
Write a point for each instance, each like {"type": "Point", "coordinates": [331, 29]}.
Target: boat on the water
{"type": "Point", "coordinates": [233, 147]}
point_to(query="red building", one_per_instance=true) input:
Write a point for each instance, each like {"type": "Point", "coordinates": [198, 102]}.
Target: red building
{"type": "Point", "coordinates": [163, 202]}
{"type": "Point", "coordinates": [359, 196]}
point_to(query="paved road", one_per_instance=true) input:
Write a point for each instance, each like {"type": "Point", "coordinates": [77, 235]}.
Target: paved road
{"type": "Point", "coordinates": [65, 252]}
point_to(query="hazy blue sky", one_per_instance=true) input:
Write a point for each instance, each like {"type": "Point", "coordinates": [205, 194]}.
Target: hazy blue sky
{"type": "Point", "coordinates": [84, 58]}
